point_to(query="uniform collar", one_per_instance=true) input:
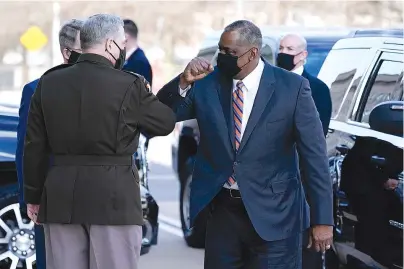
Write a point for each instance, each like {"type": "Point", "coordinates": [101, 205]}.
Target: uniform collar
{"type": "Point", "coordinates": [95, 58]}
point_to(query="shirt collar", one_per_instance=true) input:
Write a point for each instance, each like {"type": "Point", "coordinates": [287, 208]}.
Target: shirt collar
{"type": "Point", "coordinates": [299, 70]}
{"type": "Point", "coordinates": [252, 80]}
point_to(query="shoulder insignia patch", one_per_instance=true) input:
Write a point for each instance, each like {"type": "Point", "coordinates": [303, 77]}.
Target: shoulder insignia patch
{"type": "Point", "coordinates": [61, 66]}
{"type": "Point", "coordinates": [145, 82]}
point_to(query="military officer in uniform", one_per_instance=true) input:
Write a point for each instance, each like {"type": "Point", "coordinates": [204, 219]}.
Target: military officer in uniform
{"type": "Point", "coordinates": [88, 116]}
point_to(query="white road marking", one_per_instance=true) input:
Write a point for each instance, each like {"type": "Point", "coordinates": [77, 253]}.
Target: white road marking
{"type": "Point", "coordinates": [170, 229]}
{"type": "Point", "coordinates": [170, 221]}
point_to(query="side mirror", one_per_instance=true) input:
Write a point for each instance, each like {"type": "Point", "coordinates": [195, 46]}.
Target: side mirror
{"type": "Point", "coordinates": [343, 149]}
{"type": "Point", "coordinates": [378, 161]}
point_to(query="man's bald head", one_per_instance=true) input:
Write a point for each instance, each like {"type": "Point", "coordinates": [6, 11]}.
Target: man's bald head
{"type": "Point", "coordinates": [294, 40]}
{"type": "Point", "coordinates": [296, 45]}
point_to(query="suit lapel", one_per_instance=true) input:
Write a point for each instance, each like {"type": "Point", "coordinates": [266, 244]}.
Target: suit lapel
{"type": "Point", "coordinates": [225, 90]}
{"type": "Point", "coordinates": [262, 98]}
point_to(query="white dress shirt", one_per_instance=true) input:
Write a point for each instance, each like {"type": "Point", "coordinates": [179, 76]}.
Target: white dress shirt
{"type": "Point", "coordinates": [299, 70]}
{"type": "Point", "coordinates": [250, 89]}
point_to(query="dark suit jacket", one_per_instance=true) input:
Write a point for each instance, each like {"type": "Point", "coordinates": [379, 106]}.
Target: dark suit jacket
{"type": "Point", "coordinates": [139, 64]}
{"type": "Point", "coordinates": [27, 93]}
{"type": "Point", "coordinates": [87, 116]}
{"type": "Point", "coordinates": [322, 99]}
{"type": "Point", "coordinates": [284, 119]}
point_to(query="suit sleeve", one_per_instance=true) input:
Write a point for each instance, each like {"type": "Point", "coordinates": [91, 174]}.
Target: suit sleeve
{"type": "Point", "coordinates": [322, 99]}
{"type": "Point", "coordinates": [21, 130]}
{"type": "Point", "coordinates": [312, 150]}
{"type": "Point", "coordinates": [147, 113]}
{"type": "Point", "coordinates": [182, 106]}
{"type": "Point", "coordinates": [36, 151]}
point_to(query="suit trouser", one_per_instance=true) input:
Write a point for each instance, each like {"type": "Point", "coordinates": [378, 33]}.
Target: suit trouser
{"type": "Point", "coordinates": [310, 258]}
{"type": "Point", "coordinates": [233, 243]}
{"type": "Point", "coordinates": [71, 246]}
{"type": "Point", "coordinates": [40, 247]}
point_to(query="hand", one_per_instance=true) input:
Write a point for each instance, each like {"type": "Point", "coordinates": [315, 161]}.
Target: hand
{"type": "Point", "coordinates": [33, 212]}
{"type": "Point", "coordinates": [321, 237]}
{"type": "Point", "coordinates": [197, 69]}
{"type": "Point", "coordinates": [391, 184]}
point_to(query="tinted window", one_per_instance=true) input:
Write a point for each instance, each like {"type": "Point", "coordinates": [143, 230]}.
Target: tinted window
{"type": "Point", "coordinates": [338, 72]}
{"type": "Point", "coordinates": [386, 85]}
{"type": "Point", "coordinates": [316, 57]}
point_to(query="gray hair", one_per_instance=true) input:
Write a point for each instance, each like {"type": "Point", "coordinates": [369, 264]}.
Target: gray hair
{"type": "Point", "coordinates": [98, 28]}
{"type": "Point", "coordinates": [69, 32]}
{"type": "Point", "coordinates": [302, 41]}
{"type": "Point", "coordinates": [248, 31]}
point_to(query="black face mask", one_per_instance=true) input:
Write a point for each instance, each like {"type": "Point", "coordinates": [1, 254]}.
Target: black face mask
{"type": "Point", "coordinates": [285, 61]}
{"type": "Point", "coordinates": [227, 64]}
{"type": "Point", "coordinates": [122, 57]}
{"type": "Point", "coordinates": [74, 56]}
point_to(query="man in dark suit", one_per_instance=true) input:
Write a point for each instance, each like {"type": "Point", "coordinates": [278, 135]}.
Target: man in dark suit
{"type": "Point", "coordinates": [87, 116]}
{"type": "Point", "coordinates": [136, 60]}
{"type": "Point", "coordinates": [69, 41]}
{"type": "Point", "coordinates": [292, 57]}
{"type": "Point", "coordinates": [253, 119]}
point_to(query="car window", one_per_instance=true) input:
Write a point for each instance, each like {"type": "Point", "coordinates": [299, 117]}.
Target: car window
{"type": "Point", "coordinates": [386, 85]}
{"type": "Point", "coordinates": [338, 72]}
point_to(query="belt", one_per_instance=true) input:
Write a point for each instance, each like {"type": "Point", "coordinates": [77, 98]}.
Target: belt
{"type": "Point", "coordinates": [92, 160]}
{"type": "Point", "coordinates": [230, 193]}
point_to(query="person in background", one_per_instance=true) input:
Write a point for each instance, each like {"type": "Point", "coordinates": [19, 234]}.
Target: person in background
{"type": "Point", "coordinates": [88, 117]}
{"type": "Point", "coordinates": [136, 60]}
{"type": "Point", "coordinates": [292, 57]}
{"type": "Point", "coordinates": [69, 41]}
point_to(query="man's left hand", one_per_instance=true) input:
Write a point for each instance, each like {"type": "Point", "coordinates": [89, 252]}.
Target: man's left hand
{"type": "Point", "coordinates": [321, 237]}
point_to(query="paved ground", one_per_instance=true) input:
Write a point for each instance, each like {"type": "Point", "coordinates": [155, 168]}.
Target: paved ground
{"type": "Point", "coordinates": [171, 251]}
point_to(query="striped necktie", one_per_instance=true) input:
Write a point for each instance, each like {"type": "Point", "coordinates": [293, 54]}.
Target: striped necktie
{"type": "Point", "coordinates": [238, 99]}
